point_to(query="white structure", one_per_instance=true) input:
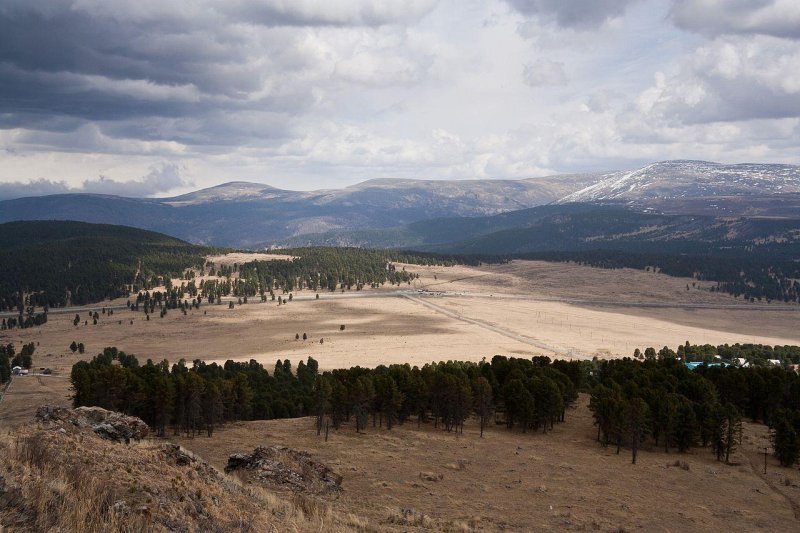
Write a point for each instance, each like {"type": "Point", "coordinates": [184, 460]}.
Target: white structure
{"type": "Point", "coordinates": [776, 362]}
{"type": "Point", "coordinates": [17, 370]}
{"type": "Point", "coordinates": [742, 362]}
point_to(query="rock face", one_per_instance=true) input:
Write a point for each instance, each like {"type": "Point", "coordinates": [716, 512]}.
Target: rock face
{"type": "Point", "coordinates": [281, 467]}
{"type": "Point", "coordinates": [108, 425]}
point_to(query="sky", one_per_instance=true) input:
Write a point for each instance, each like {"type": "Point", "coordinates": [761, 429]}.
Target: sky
{"type": "Point", "coordinates": [155, 98]}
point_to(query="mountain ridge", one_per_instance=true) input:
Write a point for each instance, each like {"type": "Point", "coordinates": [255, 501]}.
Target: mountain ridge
{"type": "Point", "coordinates": [246, 214]}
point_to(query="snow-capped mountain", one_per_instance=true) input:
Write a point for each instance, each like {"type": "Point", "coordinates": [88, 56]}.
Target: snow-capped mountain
{"type": "Point", "coordinates": [675, 180]}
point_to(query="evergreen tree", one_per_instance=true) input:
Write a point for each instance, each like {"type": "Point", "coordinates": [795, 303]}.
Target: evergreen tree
{"type": "Point", "coordinates": [636, 417]}
{"type": "Point", "coordinates": [482, 393]}
{"type": "Point", "coordinates": [785, 436]}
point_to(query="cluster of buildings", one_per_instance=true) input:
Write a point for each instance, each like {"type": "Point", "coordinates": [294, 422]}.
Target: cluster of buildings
{"type": "Point", "coordinates": [739, 362]}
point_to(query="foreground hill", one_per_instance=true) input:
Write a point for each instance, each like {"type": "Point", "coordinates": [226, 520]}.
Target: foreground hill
{"type": "Point", "coordinates": [56, 263]}
{"type": "Point", "coordinates": [65, 475]}
{"type": "Point", "coordinates": [245, 214]}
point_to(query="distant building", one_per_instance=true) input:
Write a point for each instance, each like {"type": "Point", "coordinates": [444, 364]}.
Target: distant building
{"type": "Point", "coordinates": [776, 362]}
{"type": "Point", "coordinates": [742, 362]}
{"type": "Point", "coordinates": [691, 365]}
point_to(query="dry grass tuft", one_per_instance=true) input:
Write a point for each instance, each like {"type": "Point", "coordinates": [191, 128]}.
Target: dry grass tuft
{"type": "Point", "coordinates": [683, 465]}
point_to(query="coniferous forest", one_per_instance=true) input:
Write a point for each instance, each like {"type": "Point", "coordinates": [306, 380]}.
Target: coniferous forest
{"type": "Point", "coordinates": [58, 263]}
{"type": "Point", "coordinates": [656, 402]}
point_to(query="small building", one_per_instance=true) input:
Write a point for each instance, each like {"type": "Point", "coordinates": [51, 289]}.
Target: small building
{"type": "Point", "coordinates": [742, 362]}
{"type": "Point", "coordinates": [17, 370]}
{"type": "Point", "coordinates": [691, 365]}
{"type": "Point", "coordinates": [776, 362]}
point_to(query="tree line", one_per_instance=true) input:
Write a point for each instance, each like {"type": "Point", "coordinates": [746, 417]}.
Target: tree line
{"type": "Point", "coordinates": [768, 274]}
{"type": "Point", "coordinates": [9, 359]}
{"type": "Point", "coordinates": [662, 402]}
{"type": "Point", "coordinates": [315, 269]}
{"type": "Point", "coordinates": [523, 394]}
{"type": "Point", "coordinates": [655, 402]}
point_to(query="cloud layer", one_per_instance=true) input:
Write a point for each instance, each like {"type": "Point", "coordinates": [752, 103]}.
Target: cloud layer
{"type": "Point", "coordinates": [147, 98]}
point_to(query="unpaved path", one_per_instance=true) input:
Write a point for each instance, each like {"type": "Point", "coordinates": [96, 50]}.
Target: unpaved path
{"type": "Point", "coordinates": [491, 327]}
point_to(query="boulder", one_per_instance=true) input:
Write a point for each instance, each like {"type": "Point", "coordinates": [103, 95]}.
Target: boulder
{"type": "Point", "coordinates": [281, 467]}
{"type": "Point", "coordinates": [109, 425]}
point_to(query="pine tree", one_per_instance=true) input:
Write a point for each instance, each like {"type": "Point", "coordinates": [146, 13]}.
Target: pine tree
{"type": "Point", "coordinates": [636, 418]}
{"type": "Point", "coordinates": [785, 436]}
{"type": "Point", "coordinates": [482, 393]}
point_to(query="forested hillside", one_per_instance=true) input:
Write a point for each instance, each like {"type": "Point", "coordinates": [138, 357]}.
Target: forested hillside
{"type": "Point", "coordinates": [751, 257]}
{"type": "Point", "coordinates": [57, 263]}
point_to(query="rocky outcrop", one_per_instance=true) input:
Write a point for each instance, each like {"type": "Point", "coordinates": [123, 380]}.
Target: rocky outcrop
{"type": "Point", "coordinates": [108, 425]}
{"type": "Point", "coordinates": [281, 467]}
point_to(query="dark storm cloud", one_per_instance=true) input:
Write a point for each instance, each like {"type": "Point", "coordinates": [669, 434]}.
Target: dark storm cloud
{"type": "Point", "coordinates": [204, 65]}
{"type": "Point", "coordinates": [778, 18]}
{"type": "Point", "coordinates": [581, 14]}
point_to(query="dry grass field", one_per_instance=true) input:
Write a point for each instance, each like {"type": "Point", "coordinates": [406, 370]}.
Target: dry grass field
{"type": "Point", "coordinates": [424, 478]}
{"type": "Point", "coordinates": [510, 311]}
{"type": "Point", "coordinates": [511, 481]}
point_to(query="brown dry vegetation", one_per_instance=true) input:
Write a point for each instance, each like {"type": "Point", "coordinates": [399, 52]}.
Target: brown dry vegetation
{"type": "Point", "coordinates": [413, 478]}
{"type": "Point", "coordinates": [429, 479]}
{"type": "Point", "coordinates": [385, 329]}
{"type": "Point", "coordinates": [73, 481]}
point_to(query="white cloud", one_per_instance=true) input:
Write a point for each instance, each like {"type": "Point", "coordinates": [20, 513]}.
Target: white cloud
{"type": "Point", "coordinates": [160, 178]}
{"type": "Point", "coordinates": [544, 72]}
{"type": "Point", "coordinates": [730, 79]}
{"type": "Point", "coordinates": [310, 94]}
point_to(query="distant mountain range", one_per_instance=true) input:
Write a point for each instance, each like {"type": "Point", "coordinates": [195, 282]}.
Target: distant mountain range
{"type": "Point", "coordinates": [451, 214]}
{"type": "Point", "coordinates": [571, 227]}
{"type": "Point", "coordinates": [241, 214]}
{"type": "Point", "coordinates": [700, 187]}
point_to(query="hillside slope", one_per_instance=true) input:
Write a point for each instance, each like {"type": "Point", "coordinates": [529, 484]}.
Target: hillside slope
{"type": "Point", "coordinates": [56, 263]}
{"type": "Point", "coordinates": [570, 227]}
{"type": "Point", "coordinates": [682, 180]}
{"type": "Point", "coordinates": [62, 477]}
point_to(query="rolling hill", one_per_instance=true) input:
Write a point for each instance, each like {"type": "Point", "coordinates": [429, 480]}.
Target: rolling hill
{"type": "Point", "coordinates": [56, 263]}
